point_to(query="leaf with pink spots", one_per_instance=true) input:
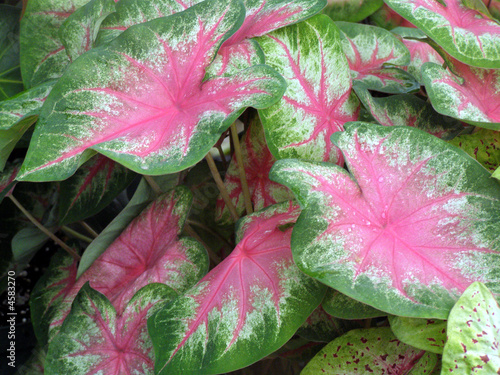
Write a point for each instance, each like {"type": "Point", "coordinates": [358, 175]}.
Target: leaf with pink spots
{"type": "Point", "coordinates": [425, 334]}
{"type": "Point", "coordinates": [473, 334]}
{"type": "Point", "coordinates": [412, 224]}
{"type": "Point", "coordinates": [245, 308]}
{"type": "Point", "coordinates": [370, 351]}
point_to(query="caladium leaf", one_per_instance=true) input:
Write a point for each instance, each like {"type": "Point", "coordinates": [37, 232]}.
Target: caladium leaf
{"type": "Point", "coordinates": [464, 33]}
{"type": "Point", "coordinates": [472, 97]}
{"type": "Point", "coordinates": [7, 179]}
{"type": "Point", "coordinates": [255, 295]}
{"type": "Point", "coordinates": [483, 145]}
{"type": "Point", "coordinates": [321, 326]}
{"type": "Point", "coordinates": [10, 74]}
{"type": "Point", "coordinates": [372, 54]}
{"type": "Point", "coordinates": [388, 19]}
{"type": "Point", "coordinates": [376, 350]}
{"type": "Point", "coordinates": [473, 334]}
{"type": "Point", "coordinates": [317, 101]}
{"type": "Point", "coordinates": [343, 307]}
{"type": "Point", "coordinates": [257, 162]}
{"type": "Point", "coordinates": [17, 115]}
{"type": "Point", "coordinates": [166, 123]}
{"type": "Point", "coordinates": [425, 334]}
{"type": "Point", "coordinates": [408, 110]}
{"type": "Point", "coordinates": [381, 234]}
{"type": "Point", "coordinates": [91, 188]}
{"type": "Point", "coordinates": [97, 339]}
{"type": "Point", "coordinates": [42, 53]}
{"type": "Point", "coordinates": [79, 31]}
{"type": "Point", "coordinates": [351, 10]}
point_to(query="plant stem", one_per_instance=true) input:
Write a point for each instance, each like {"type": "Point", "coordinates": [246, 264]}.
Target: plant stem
{"type": "Point", "coordinates": [89, 229]}
{"type": "Point", "coordinates": [152, 183]}
{"type": "Point", "coordinates": [222, 156]}
{"type": "Point", "coordinates": [213, 257]}
{"type": "Point", "coordinates": [221, 187]}
{"type": "Point", "coordinates": [241, 169]}
{"type": "Point", "coordinates": [76, 234]}
{"type": "Point", "coordinates": [43, 229]}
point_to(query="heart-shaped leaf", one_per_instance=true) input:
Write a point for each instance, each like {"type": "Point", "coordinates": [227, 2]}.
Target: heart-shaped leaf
{"type": "Point", "coordinates": [473, 334]}
{"type": "Point", "coordinates": [351, 10]}
{"type": "Point", "coordinates": [96, 339]}
{"type": "Point", "coordinates": [257, 162]}
{"type": "Point", "coordinates": [92, 188]}
{"type": "Point", "coordinates": [483, 145]}
{"type": "Point", "coordinates": [42, 53]}
{"type": "Point", "coordinates": [464, 33]}
{"type": "Point", "coordinates": [321, 326]}
{"type": "Point", "coordinates": [377, 351]}
{"type": "Point", "coordinates": [166, 123]}
{"type": "Point", "coordinates": [412, 225]}
{"type": "Point", "coordinates": [471, 97]}
{"type": "Point", "coordinates": [425, 334]}
{"type": "Point", "coordinates": [242, 310]}
{"type": "Point", "coordinates": [372, 54]}
{"type": "Point", "coordinates": [317, 101]}
{"type": "Point", "coordinates": [343, 307]}
{"type": "Point", "coordinates": [10, 74]}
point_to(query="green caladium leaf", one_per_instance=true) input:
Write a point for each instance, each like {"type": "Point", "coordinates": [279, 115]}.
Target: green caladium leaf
{"type": "Point", "coordinates": [10, 73]}
{"type": "Point", "coordinates": [317, 101]}
{"type": "Point", "coordinates": [255, 295]}
{"type": "Point", "coordinates": [465, 34]}
{"type": "Point", "coordinates": [466, 97]}
{"type": "Point", "coordinates": [17, 115]}
{"type": "Point", "coordinates": [351, 10]}
{"type": "Point", "coordinates": [425, 334]}
{"type": "Point", "coordinates": [483, 145]}
{"type": "Point", "coordinates": [340, 306]}
{"type": "Point", "coordinates": [166, 123]}
{"type": "Point", "coordinates": [496, 174]}
{"type": "Point", "coordinates": [380, 233]}
{"type": "Point", "coordinates": [473, 334]}
{"type": "Point", "coordinates": [92, 188]}
{"type": "Point", "coordinates": [42, 53]}
{"type": "Point", "coordinates": [321, 326]}
{"type": "Point", "coordinates": [376, 57]}
{"type": "Point", "coordinates": [374, 351]}
{"type": "Point", "coordinates": [407, 110]}
{"type": "Point", "coordinates": [95, 338]}
{"type": "Point", "coordinates": [79, 31]}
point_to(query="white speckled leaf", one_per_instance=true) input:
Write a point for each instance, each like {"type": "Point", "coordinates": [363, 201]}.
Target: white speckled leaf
{"type": "Point", "coordinates": [245, 308]}
{"type": "Point", "coordinates": [473, 334]}
{"type": "Point", "coordinates": [317, 101]}
{"type": "Point", "coordinates": [463, 32]}
{"type": "Point", "coordinates": [425, 334]}
{"type": "Point", "coordinates": [412, 224]}
{"type": "Point", "coordinates": [340, 306]}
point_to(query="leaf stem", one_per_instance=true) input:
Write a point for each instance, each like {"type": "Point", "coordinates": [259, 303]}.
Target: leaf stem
{"type": "Point", "coordinates": [152, 183]}
{"type": "Point", "coordinates": [213, 257]}
{"type": "Point", "coordinates": [89, 229]}
{"type": "Point", "coordinates": [220, 185]}
{"type": "Point", "coordinates": [241, 169]}
{"type": "Point", "coordinates": [43, 229]}
{"type": "Point", "coordinates": [76, 234]}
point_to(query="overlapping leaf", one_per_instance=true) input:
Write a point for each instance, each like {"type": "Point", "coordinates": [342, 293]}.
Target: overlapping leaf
{"type": "Point", "coordinates": [473, 334]}
{"type": "Point", "coordinates": [351, 10]}
{"type": "Point", "coordinates": [483, 145]}
{"type": "Point", "coordinates": [317, 101]}
{"type": "Point", "coordinates": [141, 99]}
{"type": "Point", "coordinates": [373, 54]}
{"type": "Point", "coordinates": [412, 225]}
{"type": "Point", "coordinates": [244, 309]}
{"type": "Point", "coordinates": [7, 179]}
{"type": "Point", "coordinates": [10, 74]}
{"type": "Point", "coordinates": [343, 307]}
{"type": "Point", "coordinates": [464, 33]}
{"type": "Point", "coordinates": [472, 96]}
{"type": "Point", "coordinates": [425, 334]}
{"type": "Point", "coordinates": [388, 19]}
{"type": "Point", "coordinates": [321, 326]}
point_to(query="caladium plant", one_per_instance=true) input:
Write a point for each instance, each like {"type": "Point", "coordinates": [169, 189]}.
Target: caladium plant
{"type": "Point", "coordinates": [353, 209]}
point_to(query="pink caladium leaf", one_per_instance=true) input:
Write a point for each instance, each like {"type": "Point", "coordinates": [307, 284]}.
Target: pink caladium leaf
{"type": "Point", "coordinates": [365, 351]}
{"type": "Point", "coordinates": [42, 53]}
{"type": "Point", "coordinates": [92, 188]}
{"type": "Point", "coordinates": [464, 33]}
{"type": "Point", "coordinates": [318, 100]}
{"type": "Point", "coordinates": [96, 339]}
{"type": "Point", "coordinates": [388, 19]}
{"type": "Point", "coordinates": [471, 97]}
{"type": "Point", "coordinates": [141, 100]}
{"type": "Point", "coordinates": [340, 306]}
{"type": "Point", "coordinates": [376, 58]}
{"type": "Point", "coordinates": [257, 162]}
{"type": "Point", "coordinates": [412, 224]}
{"type": "Point", "coordinates": [242, 310]}
{"type": "Point", "coordinates": [424, 334]}
{"type": "Point", "coordinates": [483, 145]}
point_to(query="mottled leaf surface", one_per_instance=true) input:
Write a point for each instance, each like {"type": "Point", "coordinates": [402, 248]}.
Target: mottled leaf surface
{"type": "Point", "coordinates": [317, 101]}
{"type": "Point", "coordinates": [376, 57]}
{"type": "Point", "coordinates": [351, 10]}
{"type": "Point", "coordinates": [473, 334]}
{"type": "Point", "coordinates": [141, 100]}
{"type": "Point", "coordinates": [483, 145]}
{"type": "Point", "coordinates": [412, 224]}
{"type": "Point", "coordinates": [10, 73]}
{"type": "Point", "coordinates": [340, 306]}
{"type": "Point", "coordinates": [463, 32]}
{"type": "Point", "coordinates": [245, 308]}
{"type": "Point", "coordinates": [370, 351]}
{"type": "Point", "coordinates": [425, 334]}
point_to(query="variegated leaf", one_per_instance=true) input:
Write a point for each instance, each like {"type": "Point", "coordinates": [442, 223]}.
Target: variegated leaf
{"type": "Point", "coordinates": [424, 334]}
{"type": "Point", "coordinates": [351, 10]}
{"type": "Point", "coordinates": [7, 179]}
{"type": "Point", "coordinates": [343, 307]}
{"type": "Point", "coordinates": [321, 326]}
{"type": "Point", "coordinates": [388, 19]}
{"type": "Point", "coordinates": [483, 145]}
{"type": "Point", "coordinates": [10, 74]}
